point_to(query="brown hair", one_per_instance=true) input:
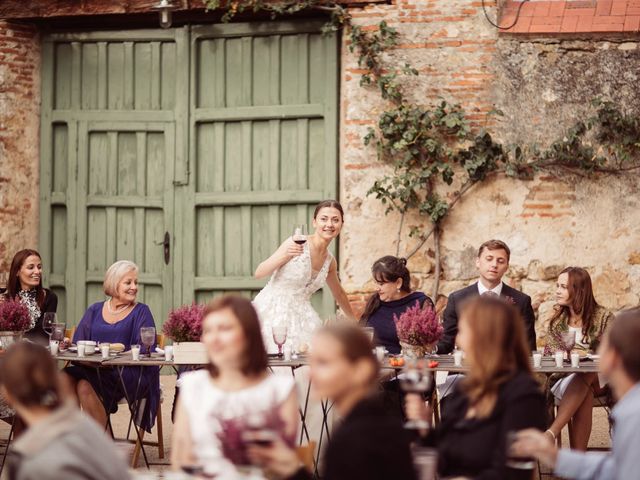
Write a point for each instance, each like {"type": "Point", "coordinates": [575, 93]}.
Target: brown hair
{"type": "Point", "coordinates": [356, 346]}
{"type": "Point", "coordinates": [255, 358]}
{"type": "Point", "coordinates": [329, 204]}
{"type": "Point", "coordinates": [30, 375]}
{"type": "Point", "coordinates": [624, 335]}
{"type": "Point", "coordinates": [495, 245]}
{"type": "Point", "coordinates": [499, 349]}
{"type": "Point", "coordinates": [387, 269]}
{"type": "Point", "coordinates": [13, 285]}
{"type": "Point", "coordinates": [581, 297]}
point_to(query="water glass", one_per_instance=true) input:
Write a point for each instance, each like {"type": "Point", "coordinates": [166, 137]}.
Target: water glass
{"type": "Point", "coordinates": [168, 353]}
{"type": "Point", "coordinates": [148, 337]}
{"type": "Point", "coordinates": [53, 347]}
{"type": "Point", "coordinates": [135, 352]}
{"type": "Point", "coordinates": [537, 360]}
{"type": "Point", "coordinates": [425, 461]}
{"type": "Point", "coordinates": [514, 461]}
{"type": "Point", "coordinates": [457, 358]}
{"type": "Point", "coordinates": [559, 356]}
{"type": "Point", "coordinates": [81, 347]}
{"type": "Point", "coordinates": [380, 354]}
{"type": "Point", "coordinates": [105, 349]}
{"type": "Point", "coordinates": [575, 360]}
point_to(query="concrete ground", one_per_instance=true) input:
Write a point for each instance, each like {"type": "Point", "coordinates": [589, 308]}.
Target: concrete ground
{"type": "Point", "coordinates": [599, 436]}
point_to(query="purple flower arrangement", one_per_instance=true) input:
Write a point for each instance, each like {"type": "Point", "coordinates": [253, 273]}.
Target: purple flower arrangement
{"type": "Point", "coordinates": [14, 316]}
{"type": "Point", "coordinates": [184, 323]}
{"type": "Point", "coordinates": [418, 326]}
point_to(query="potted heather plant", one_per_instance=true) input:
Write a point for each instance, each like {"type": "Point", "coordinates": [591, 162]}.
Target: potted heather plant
{"type": "Point", "coordinates": [418, 330]}
{"type": "Point", "coordinates": [14, 321]}
{"type": "Point", "coordinates": [184, 327]}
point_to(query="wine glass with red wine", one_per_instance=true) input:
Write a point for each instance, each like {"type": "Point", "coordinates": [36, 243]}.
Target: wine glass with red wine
{"type": "Point", "coordinates": [300, 233]}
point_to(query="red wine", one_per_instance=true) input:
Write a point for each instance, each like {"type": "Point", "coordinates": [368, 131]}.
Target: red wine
{"type": "Point", "coordinates": [301, 241]}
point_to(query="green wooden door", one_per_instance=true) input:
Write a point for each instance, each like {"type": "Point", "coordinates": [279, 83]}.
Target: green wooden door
{"type": "Point", "coordinates": [223, 136]}
{"type": "Point", "coordinates": [113, 144]}
{"type": "Point", "coordinates": [263, 147]}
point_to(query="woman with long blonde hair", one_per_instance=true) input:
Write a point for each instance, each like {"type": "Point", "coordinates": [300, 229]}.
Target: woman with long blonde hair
{"type": "Point", "coordinates": [499, 394]}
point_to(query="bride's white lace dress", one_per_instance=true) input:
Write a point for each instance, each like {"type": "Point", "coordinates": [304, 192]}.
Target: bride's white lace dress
{"type": "Point", "coordinates": [286, 300]}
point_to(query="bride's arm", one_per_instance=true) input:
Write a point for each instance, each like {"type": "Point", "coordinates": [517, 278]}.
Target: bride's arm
{"type": "Point", "coordinates": [282, 255]}
{"type": "Point", "coordinates": [338, 292]}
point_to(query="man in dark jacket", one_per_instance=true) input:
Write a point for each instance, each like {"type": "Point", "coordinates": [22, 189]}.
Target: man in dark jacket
{"type": "Point", "coordinates": [492, 263]}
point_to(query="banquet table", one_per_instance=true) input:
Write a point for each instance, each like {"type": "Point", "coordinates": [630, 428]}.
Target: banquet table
{"type": "Point", "coordinates": [445, 363]}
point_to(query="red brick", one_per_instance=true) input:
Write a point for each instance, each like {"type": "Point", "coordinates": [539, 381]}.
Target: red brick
{"type": "Point", "coordinates": [569, 24]}
{"type": "Point", "coordinates": [633, 10]}
{"type": "Point", "coordinates": [584, 24]}
{"type": "Point", "coordinates": [556, 9]}
{"type": "Point", "coordinates": [619, 7]}
{"type": "Point", "coordinates": [546, 21]}
{"type": "Point", "coordinates": [542, 9]}
{"type": "Point", "coordinates": [528, 9]}
{"type": "Point", "coordinates": [579, 12]}
{"type": "Point", "coordinates": [603, 7]}
{"type": "Point", "coordinates": [608, 20]}
{"type": "Point", "coordinates": [522, 26]}
{"type": "Point", "coordinates": [607, 27]}
{"type": "Point", "coordinates": [544, 28]}
{"type": "Point", "coordinates": [631, 24]}
{"type": "Point", "coordinates": [507, 21]}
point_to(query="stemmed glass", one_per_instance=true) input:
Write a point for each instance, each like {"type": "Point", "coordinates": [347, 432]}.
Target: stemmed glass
{"type": "Point", "coordinates": [147, 337]}
{"type": "Point", "coordinates": [279, 337]}
{"type": "Point", "coordinates": [568, 341]}
{"type": "Point", "coordinates": [49, 319]}
{"type": "Point", "coordinates": [415, 379]}
{"type": "Point", "coordinates": [300, 233]}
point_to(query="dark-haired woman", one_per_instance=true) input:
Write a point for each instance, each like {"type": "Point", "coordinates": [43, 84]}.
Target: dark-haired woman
{"type": "Point", "coordinates": [499, 395]}
{"type": "Point", "coordinates": [576, 311]}
{"type": "Point", "coordinates": [369, 443]}
{"type": "Point", "coordinates": [60, 442]}
{"type": "Point", "coordinates": [25, 284]}
{"type": "Point", "coordinates": [392, 297]}
{"type": "Point", "coordinates": [297, 272]}
{"type": "Point", "coordinates": [235, 395]}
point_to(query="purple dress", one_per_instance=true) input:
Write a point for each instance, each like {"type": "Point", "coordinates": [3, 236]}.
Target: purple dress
{"type": "Point", "coordinates": [107, 382]}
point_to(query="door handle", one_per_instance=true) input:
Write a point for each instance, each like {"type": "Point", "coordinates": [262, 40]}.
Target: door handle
{"type": "Point", "coordinates": [166, 246]}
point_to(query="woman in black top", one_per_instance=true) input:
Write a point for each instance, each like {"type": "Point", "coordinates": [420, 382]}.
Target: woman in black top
{"type": "Point", "coordinates": [392, 297]}
{"type": "Point", "coordinates": [25, 284]}
{"type": "Point", "coordinates": [368, 444]}
{"type": "Point", "coordinates": [498, 396]}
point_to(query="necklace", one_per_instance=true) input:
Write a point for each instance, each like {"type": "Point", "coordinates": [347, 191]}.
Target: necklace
{"type": "Point", "coordinates": [117, 310]}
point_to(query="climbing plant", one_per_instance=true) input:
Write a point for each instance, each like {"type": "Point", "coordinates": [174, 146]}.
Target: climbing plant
{"type": "Point", "coordinates": [435, 156]}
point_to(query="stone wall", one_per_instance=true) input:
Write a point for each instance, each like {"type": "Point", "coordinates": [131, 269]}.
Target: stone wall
{"type": "Point", "coordinates": [19, 131]}
{"type": "Point", "coordinates": [543, 84]}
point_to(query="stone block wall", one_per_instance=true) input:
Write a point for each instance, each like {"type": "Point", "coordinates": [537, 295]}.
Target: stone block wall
{"type": "Point", "coordinates": [19, 138]}
{"type": "Point", "coordinates": [542, 84]}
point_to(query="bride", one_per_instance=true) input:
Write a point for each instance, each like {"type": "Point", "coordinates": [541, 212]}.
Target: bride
{"type": "Point", "coordinates": [297, 272]}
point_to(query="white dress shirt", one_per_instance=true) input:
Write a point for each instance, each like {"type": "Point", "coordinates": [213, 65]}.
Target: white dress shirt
{"type": "Point", "coordinates": [482, 289]}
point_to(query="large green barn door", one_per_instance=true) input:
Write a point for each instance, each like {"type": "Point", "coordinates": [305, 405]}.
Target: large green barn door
{"type": "Point", "coordinates": [113, 146]}
{"type": "Point", "coordinates": [263, 148]}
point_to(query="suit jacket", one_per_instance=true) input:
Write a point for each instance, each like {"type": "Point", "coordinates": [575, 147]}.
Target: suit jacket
{"type": "Point", "coordinates": [457, 298]}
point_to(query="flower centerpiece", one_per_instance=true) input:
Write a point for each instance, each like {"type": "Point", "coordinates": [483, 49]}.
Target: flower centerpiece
{"type": "Point", "coordinates": [14, 321]}
{"type": "Point", "coordinates": [184, 327]}
{"type": "Point", "coordinates": [418, 329]}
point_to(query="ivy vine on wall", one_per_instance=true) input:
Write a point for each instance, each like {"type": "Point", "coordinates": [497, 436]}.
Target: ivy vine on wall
{"type": "Point", "coordinates": [435, 154]}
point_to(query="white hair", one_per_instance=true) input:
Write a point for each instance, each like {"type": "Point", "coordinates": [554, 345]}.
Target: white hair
{"type": "Point", "coordinates": [115, 273]}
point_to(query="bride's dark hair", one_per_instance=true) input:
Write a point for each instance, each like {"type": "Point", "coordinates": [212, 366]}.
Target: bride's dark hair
{"type": "Point", "coordinates": [329, 204]}
{"type": "Point", "coordinates": [384, 270]}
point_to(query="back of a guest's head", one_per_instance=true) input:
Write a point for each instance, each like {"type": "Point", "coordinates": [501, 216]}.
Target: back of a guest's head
{"type": "Point", "coordinates": [491, 332]}
{"type": "Point", "coordinates": [232, 335]}
{"type": "Point", "coordinates": [114, 275]}
{"type": "Point", "coordinates": [341, 360]}
{"type": "Point", "coordinates": [29, 376]}
{"type": "Point", "coordinates": [623, 338]}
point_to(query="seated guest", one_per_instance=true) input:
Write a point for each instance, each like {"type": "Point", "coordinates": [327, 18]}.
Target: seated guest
{"type": "Point", "coordinates": [25, 284]}
{"type": "Point", "coordinates": [492, 263]}
{"type": "Point", "coordinates": [234, 395]}
{"type": "Point", "coordinates": [368, 443]}
{"type": "Point", "coordinates": [498, 395]}
{"type": "Point", "coordinates": [576, 311]}
{"type": "Point", "coordinates": [620, 365]}
{"type": "Point", "coordinates": [116, 320]}
{"type": "Point", "coordinates": [393, 296]}
{"type": "Point", "coordinates": [60, 442]}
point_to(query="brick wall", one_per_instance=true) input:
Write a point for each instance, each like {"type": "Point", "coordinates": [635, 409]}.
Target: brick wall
{"type": "Point", "coordinates": [19, 127]}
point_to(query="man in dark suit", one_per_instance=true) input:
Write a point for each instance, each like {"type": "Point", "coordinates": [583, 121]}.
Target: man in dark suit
{"type": "Point", "coordinates": [492, 264]}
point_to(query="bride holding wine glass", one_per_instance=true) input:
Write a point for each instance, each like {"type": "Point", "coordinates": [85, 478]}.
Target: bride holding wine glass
{"type": "Point", "coordinates": [299, 268]}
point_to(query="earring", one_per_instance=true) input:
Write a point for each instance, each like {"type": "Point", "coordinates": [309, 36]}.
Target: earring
{"type": "Point", "coordinates": [397, 290]}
